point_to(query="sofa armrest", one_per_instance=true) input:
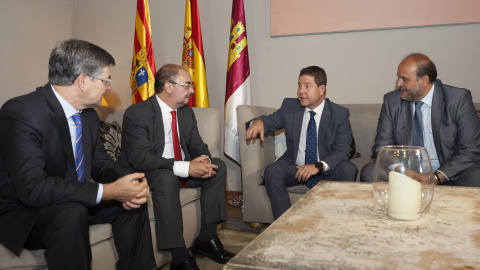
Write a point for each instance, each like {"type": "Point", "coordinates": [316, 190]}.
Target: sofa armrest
{"type": "Point", "coordinates": [255, 155]}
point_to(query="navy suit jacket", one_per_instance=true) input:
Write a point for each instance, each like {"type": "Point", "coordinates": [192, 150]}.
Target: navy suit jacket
{"type": "Point", "coordinates": [143, 136]}
{"type": "Point", "coordinates": [455, 127]}
{"type": "Point", "coordinates": [334, 134]}
{"type": "Point", "coordinates": [37, 167]}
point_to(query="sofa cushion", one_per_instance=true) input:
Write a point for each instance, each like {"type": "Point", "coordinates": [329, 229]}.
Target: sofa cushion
{"type": "Point", "coordinates": [111, 135]}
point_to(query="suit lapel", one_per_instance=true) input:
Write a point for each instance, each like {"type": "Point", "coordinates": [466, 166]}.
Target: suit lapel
{"type": "Point", "coordinates": [324, 123]}
{"type": "Point", "coordinates": [87, 147]}
{"type": "Point", "coordinates": [297, 126]}
{"type": "Point", "coordinates": [61, 124]}
{"type": "Point", "coordinates": [157, 123]}
{"type": "Point", "coordinates": [437, 112]}
{"type": "Point", "coordinates": [407, 116]}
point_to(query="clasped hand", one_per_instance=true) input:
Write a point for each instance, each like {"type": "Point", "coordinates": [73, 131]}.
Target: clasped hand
{"type": "Point", "coordinates": [132, 190]}
{"type": "Point", "coordinates": [305, 172]}
{"type": "Point", "coordinates": [419, 177]}
{"type": "Point", "coordinates": [201, 167]}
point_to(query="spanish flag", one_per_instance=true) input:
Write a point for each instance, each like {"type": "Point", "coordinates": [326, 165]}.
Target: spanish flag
{"type": "Point", "coordinates": [238, 78]}
{"type": "Point", "coordinates": [142, 79]}
{"type": "Point", "coordinates": [193, 59]}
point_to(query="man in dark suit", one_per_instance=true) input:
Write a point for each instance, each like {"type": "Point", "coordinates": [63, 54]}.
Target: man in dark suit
{"type": "Point", "coordinates": [318, 140]}
{"type": "Point", "coordinates": [47, 200]}
{"type": "Point", "coordinates": [449, 128]}
{"type": "Point", "coordinates": [161, 138]}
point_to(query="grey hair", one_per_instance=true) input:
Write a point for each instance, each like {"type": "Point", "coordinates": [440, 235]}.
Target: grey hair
{"type": "Point", "coordinates": [73, 57]}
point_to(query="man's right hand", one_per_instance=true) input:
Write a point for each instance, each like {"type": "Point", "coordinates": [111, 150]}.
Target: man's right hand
{"type": "Point", "coordinates": [255, 128]}
{"type": "Point", "coordinates": [128, 190]}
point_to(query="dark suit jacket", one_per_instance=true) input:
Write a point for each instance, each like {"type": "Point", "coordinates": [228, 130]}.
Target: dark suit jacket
{"type": "Point", "coordinates": [37, 167]}
{"type": "Point", "coordinates": [334, 134]}
{"type": "Point", "coordinates": [143, 137]}
{"type": "Point", "coordinates": [455, 127]}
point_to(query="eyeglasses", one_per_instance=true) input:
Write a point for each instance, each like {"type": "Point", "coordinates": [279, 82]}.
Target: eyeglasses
{"type": "Point", "coordinates": [187, 85]}
{"type": "Point", "coordinates": [105, 81]}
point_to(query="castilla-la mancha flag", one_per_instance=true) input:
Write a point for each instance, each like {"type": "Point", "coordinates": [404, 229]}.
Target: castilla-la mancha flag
{"type": "Point", "coordinates": [238, 81]}
{"type": "Point", "coordinates": [192, 58]}
{"type": "Point", "coordinates": [142, 79]}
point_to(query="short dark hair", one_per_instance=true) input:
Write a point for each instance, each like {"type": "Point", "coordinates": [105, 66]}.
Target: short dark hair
{"type": "Point", "coordinates": [73, 57]}
{"type": "Point", "coordinates": [167, 73]}
{"type": "Point", "coordinates": [425, 66]}
{"type": "Point", "coordinates": [317, 73]}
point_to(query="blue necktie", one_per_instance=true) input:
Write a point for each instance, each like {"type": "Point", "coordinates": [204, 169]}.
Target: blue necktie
{"type": "Point", "coordinates": [311, 148]}
{"type": "Point", "coordinates": [418, 125]}
{"type": "Point", "coordinates": [78, 147]}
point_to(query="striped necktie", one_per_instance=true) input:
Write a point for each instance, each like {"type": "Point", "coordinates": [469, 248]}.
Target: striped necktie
{"type": "Point", "coordinates": [78, 147]}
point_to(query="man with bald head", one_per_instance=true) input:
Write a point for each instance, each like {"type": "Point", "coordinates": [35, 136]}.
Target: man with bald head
{"type": "Point", "coordinates": [161, 139]}
{"type": "Point", "coordinates": [448, 127]}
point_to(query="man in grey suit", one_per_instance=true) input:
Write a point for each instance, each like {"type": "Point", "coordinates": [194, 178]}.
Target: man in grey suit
{"type": "Point", "coordinates": [318, 140]}
{"type": "Point", "coordinates": [161, 138]}
{"type": "Point", "coordinates": [449, 125]}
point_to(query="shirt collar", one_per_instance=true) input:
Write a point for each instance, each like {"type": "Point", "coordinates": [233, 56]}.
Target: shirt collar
{"type": "Point", "coordinates": [429, 97]}
{"type": "Point", "coordinates": [68, 109]}
{"type": "Point", "coordinates": [318, 110]}
{"type": "Point", "coordinates": [163, 106]}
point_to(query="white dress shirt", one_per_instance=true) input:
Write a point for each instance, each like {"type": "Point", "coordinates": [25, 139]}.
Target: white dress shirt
{"type": "Point", "coordinates": [180, 168]}
{"type": "Point", "coordinates": [303, 134]}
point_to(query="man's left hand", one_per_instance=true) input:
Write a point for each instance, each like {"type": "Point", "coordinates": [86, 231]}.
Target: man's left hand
{"type": "Point", "coordinates": [305, 172]}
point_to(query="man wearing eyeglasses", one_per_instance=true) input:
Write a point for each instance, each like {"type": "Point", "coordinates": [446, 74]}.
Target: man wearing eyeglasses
{"type": "Point", "coordinates": [161, 138]}
{"type": "Point", "coordinates": [49, 149]}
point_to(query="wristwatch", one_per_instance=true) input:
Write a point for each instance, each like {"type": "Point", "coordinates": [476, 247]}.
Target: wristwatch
{"type": "Point", "coordinates": [319, 166]}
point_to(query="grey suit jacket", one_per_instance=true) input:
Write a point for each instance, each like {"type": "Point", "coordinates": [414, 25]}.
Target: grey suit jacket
{"type": "Point", "coordinates": [455, 127]}
{"type": "Point", "coordinates": [37, 167]}
{"type": "Point", "coordinates": [334, 134]}
{"type": "Point", "coordinates": [143, 137]}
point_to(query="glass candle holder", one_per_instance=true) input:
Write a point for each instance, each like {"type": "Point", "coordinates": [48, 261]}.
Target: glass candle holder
{"type": "Point", "coordinates": [403, 181]}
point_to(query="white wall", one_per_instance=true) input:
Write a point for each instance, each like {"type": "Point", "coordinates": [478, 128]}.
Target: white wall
{"type": "Point", "coordinates": [361, 66]}
{"type": "Point", "coordinates": [29, 31]}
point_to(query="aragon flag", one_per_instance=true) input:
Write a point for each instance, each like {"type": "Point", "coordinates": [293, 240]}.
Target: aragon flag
{"type": "Point", "coordinates": [142, 79]}
{"type": "Point", "coordinates": [238, 78]}
{"type": "Point", "coordinates": [192, 58]}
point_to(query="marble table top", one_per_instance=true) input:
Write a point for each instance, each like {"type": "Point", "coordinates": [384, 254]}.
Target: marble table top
{"type": "Point", "coordinates": [337, 225]}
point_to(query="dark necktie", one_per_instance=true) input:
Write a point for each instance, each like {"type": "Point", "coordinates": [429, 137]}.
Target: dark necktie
{"type": "Point", "coordinates": [311, 148]}
{"type": "Point", "coordinates": [78, 147]}
{"type": "Point", "coordinates": [177, 153]}
{"type": "Point", "coordinates": [418, 125]}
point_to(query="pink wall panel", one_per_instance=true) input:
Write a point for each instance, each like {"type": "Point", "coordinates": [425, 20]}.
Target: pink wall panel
{"type": "Point", "coordinates": [296, 17]}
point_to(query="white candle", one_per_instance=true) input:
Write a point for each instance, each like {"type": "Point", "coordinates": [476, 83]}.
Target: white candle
{"type": "Point", "coordinates": [404, 196]}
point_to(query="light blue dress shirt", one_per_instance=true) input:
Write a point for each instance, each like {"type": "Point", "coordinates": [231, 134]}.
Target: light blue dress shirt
{"type": "Point", "coordinates": [69, 111]}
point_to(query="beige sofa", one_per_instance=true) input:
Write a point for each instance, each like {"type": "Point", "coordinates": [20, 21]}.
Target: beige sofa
{"type": "Point", "coordinates": [104, 255]}
{"type": "Point", "coordinates": [255, 156]}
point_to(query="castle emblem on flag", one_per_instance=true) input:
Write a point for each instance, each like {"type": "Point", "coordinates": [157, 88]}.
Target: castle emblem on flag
{"type": "Point", "coordinates": [236, 48]}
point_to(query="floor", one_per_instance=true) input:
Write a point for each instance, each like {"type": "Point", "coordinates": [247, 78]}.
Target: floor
{"type": "Point", "coordinates": [234, 233]}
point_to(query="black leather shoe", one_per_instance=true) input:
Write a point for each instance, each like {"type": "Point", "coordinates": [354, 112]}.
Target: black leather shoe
{"type": "Point", "coordinates": [188, 264]}
{"type": "Point", "coordinates": [213, 249]}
